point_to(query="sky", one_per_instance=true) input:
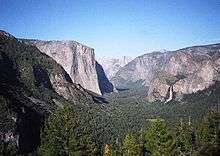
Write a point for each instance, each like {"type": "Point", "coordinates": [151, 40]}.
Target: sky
{"type": "Point", "coordinates": [115, 27]}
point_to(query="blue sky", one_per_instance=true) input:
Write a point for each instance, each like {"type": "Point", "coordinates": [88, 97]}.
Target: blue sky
{"type": "Point", "coordinates": [115, 27]}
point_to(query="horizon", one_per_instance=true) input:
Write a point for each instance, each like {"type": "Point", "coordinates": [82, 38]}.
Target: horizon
{"type": "Point", "coordinates": [115, 28]}
{"type": "Point", "coordinates": [105, 57]}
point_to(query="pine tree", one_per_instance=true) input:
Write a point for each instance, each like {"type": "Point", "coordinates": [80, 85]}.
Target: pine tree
{"type": "Point", "coordinates": [114, 152]}
{"type": "Point", "coordinates": [185, 138]}
{"type": "Point", "coordinates": [115, 149]}
{"type": "Point", "coordinates": [158, 140]}
{"type": "Point", "coordinates": [141, 143]}
{"type": "Point", "coordinates": [130, 145]}
{"type": "Point", "coordinates": [60, 137]}
{"type": "Point", "coordinates": [209, 135]}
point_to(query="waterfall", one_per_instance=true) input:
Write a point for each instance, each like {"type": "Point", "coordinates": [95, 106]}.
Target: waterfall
{"type": "Point", "coordinates": [170, 94]}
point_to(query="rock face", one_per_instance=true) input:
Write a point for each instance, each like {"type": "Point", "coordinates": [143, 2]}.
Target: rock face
{"type": "Point", "coordinates": [104, 84]}
{"type": "Point", "coordinates": [78, 61]}
{"type": "Point", "coordinates": [112, 65]}
{"type": "Point", "coordinates": [141, 68]}
{"type": "Point", "coordinates": [174, 73]}
{"type": "Point", "coordinates": [32, 85]}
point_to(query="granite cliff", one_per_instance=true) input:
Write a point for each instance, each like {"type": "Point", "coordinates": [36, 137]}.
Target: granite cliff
{"type": "Point", "coordinates": [78, 61]}
{"type": "Point", "coordinates": [141, 69]}
{"type": "Point", "coordinates": [172, 74]}
{"type": "Point", "coordinates": [104, 84]}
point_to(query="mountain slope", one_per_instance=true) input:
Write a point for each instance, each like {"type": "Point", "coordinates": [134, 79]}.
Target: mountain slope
{"type": "Point", "coordinates": [78, 60]}
{"type": "Point", "coordinates": [184, 71]}
{"type": "Point", "coordinates": [141, 68]}
{"type": "Point", "coordinates": [32, 85]}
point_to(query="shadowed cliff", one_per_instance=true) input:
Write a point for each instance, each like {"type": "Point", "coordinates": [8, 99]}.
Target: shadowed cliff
{"type": "Point", "coordinates": [104, 84]}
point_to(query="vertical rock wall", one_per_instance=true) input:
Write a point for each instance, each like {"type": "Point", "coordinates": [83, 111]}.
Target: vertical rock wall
{"type": "Point", "coordinates": [78, 60]}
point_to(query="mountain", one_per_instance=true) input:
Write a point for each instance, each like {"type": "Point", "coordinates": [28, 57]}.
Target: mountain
{"type": "Point", "coordinates": [78, 61]}
{"type": "Point", "coordinates": [32, 86]}
{"type": "Point", "coordinates": [112, 65]}
{"type": "Point", "coordinates": [172, 74]}
{"type": "Point", "coordinates": [140, 70]}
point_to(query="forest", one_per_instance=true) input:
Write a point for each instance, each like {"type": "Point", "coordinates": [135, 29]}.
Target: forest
{"type": "Point", "coordinates": [128, 125]}
{"type": "Point", "coordinates": [61, 136]}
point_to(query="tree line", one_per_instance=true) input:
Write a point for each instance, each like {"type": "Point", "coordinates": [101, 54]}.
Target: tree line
{"type": "Point", "coordinates": [62, 137]}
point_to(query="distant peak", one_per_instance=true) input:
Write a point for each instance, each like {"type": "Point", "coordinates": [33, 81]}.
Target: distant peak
{"type": "Point", "coordinates": [5, 34]}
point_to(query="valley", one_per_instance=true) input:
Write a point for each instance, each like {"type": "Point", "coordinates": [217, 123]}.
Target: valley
{"type": "Point", "coordinates": [38, 82]}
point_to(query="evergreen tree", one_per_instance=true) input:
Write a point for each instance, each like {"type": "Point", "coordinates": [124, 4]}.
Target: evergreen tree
{"type": "Point", "coordinates": [114, 152]}
{"type": "Point", "coordinates": [60, 137]}
{"type": "Point", "coordinates": [130, 145]}
{"type": "Point", "coordinates": [115, 149]}
{"type": "Point", "coordinates": [209, 135]}
{"type": "Point", "coordinates": [141, 143]}
{"type": "Point", "coordinates": [185, 138]}
{"type": "Point", "coordinates": [158, 140]}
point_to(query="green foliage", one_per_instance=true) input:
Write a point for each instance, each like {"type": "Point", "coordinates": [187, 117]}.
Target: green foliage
{"type": "Point", "coordinates": [6, 123]}
{"type": "Point", "coordinates": [209, 127]}
{"type": "Point", "coordinates": [159, 141]}
{"type": "Point", "coordinates": [60, 137]}
{"type": "Point", "coordinates": [115, 152]}
{"type": "Point", "coordinates": [185, 138]}
{"type": "Point", "coordinates": [7, 149]}
{"type": "Point", "coordinates": [209, 135]}
{"type": "Point", "coordinates": [129, 109]}
{"type": "Point", "coordinates": [130, 145]}
{"type": "Point", "coordinates": [5, 115]}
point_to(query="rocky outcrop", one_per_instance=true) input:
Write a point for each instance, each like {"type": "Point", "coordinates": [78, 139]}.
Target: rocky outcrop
{"type": "Point", "coordinates": [112, 65]}
{"type": "Point", "coordinates": [78, 61]}
{"type": "Point", "coordinates": [185, 71]}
